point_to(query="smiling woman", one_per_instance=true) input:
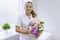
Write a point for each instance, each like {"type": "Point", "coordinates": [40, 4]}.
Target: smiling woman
{"type": "Point", "coordinates": [24, 20]}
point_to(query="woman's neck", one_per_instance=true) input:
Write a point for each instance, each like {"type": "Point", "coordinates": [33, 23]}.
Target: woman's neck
{"type": "Point", "coordinates": [28, 15]}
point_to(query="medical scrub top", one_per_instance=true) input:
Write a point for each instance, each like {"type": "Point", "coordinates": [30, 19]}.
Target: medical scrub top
{"type": "Point", "coordinates": [23, 21]}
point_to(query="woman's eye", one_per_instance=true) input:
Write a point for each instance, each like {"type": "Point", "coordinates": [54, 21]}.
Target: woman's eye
{"type": "Point", "coordinates": [30, 6]}
{"type": "Point", "coordinates": [26, 6]}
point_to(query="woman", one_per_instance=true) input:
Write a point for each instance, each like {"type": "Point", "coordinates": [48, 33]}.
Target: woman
{"type": "Point", "coordinates": [23, 22]}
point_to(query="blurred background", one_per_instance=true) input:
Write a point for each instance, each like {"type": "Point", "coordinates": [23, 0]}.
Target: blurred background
{"type": "Point", "coordinates": [48, 11]}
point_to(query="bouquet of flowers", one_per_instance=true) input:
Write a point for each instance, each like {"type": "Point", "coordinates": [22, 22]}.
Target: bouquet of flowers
{"type": "Point", "coordinates": [35, 28]}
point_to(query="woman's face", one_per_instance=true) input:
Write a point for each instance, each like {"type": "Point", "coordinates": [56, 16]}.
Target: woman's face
{"type": "Point", "coordinates": [28, 7]}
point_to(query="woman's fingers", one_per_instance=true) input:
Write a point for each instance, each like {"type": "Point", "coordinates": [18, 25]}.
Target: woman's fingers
{"type": "Point", "coordinates": [17, 28]}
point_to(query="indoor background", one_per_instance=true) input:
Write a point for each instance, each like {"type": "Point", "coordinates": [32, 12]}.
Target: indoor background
{"type": "Point", "coordinates": [47, 10]}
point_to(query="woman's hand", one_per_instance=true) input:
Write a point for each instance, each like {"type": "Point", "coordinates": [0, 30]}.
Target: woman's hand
{"type": "Point", "coordinates": [19, 30]}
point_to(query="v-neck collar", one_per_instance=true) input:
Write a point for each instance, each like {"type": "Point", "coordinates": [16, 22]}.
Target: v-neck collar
{"type": "Point", "coordinates": [28, 17]}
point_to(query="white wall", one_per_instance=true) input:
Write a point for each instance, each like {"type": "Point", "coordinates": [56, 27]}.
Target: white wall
{"type": "Point", "coordinates": [49, 11]}
{"type": "Point", "coordinates": [8, 12]}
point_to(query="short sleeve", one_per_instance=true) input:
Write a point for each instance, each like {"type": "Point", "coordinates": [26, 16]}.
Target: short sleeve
{"type": "Point", "coordinates": [19, 21]}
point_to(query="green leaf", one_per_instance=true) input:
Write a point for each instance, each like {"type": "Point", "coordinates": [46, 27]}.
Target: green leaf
{"type": "Point", "coordinates": [6, 26]}
{"type": "Point", "coordinates": [40, 31]}
{"type": "Point", "coordinates": [41, 22]}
